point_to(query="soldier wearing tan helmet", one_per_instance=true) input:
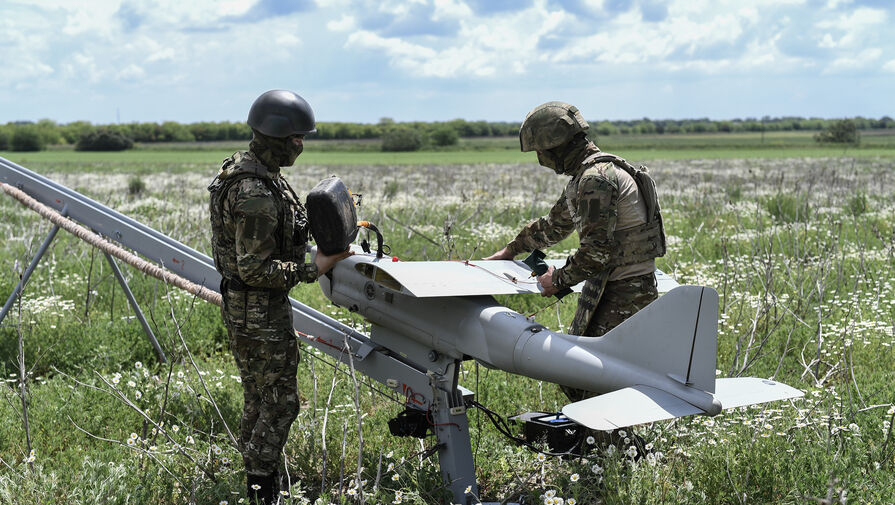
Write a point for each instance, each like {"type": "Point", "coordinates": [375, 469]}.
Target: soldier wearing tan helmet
{"type": "Point", "coordinates": [259, 236]}
{"type": "Point", "coordinates": [613, 207]}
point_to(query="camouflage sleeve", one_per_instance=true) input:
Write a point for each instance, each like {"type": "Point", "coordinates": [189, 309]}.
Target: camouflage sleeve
{"type": "Point", "coordinates": [597, 206]}
{"type": "Point", "coordinates": [255, 214]}
{"type": "Point", "coordinates": [546, 231]}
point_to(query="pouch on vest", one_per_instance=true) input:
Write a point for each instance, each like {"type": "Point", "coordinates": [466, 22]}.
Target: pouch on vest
{"type": "Point", "coordinates": [332, 216]}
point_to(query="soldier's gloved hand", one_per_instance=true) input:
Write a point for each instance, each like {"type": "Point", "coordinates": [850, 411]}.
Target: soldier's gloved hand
{"type": "Point", "coordinates": [325, 263]}
{"type": "Point", "coordinates": [503, 254]}
{"type": "Point", "coordinates": [546, 282]}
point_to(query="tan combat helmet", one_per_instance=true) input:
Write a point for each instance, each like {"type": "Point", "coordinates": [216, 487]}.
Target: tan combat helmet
{"type": "Point", "coordinates": [550, 125]}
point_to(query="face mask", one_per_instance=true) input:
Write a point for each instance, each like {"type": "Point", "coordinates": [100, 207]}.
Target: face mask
{"type": "Point", "coordinates": [275, 152]}
{"type": "Point", "coordinates": [547, 159]}
{"type": "Point", "coordinates": [292, 152]}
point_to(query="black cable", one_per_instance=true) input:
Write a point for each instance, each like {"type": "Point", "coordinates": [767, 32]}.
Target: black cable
{"type": "Point", "coordinates": [503, 427]}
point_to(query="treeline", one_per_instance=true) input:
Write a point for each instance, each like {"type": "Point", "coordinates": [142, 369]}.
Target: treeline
{"type": "Point", "coordinates": [29, 136]}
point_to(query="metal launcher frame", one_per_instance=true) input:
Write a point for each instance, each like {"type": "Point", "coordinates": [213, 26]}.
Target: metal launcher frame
{"type": "Point", "coordinates": [428, 383]}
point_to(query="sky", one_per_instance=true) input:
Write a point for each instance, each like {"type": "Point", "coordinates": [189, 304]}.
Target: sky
{"type": "Point", "coordinates": [108, 61]}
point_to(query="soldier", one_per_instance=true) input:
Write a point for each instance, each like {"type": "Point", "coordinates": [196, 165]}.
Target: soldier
{"type": "Point", "coordinates": [259, 233]}
{"type": "Point", "coordinates": [613, 207]}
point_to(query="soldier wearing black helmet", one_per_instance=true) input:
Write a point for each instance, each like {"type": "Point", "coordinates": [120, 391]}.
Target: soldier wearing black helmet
{"type": "Point", "coordinates": [259, 236]}
{"type": "Point", "coordinates": [613, 207]}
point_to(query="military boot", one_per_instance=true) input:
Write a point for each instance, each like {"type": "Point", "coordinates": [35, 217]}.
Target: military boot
{"type": "Point", "coordinates": [262, 489]}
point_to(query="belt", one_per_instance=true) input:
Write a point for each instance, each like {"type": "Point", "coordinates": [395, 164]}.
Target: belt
{"type": "Point", "coordinates": [236, 284]}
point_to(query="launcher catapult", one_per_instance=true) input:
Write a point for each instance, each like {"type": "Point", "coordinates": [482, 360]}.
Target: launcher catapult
{"type": "Point", "coordinates": [427, 317]}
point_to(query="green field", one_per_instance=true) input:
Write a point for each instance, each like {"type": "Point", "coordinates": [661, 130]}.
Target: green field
{"type": "Point", "coordinates": [798, 240]}
{"type": "Point", "coordinates": [641, 148]}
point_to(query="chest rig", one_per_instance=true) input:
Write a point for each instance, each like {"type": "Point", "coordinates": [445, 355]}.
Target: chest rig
{"type": "Point", "coordinates": [639, 243]}
{"type": "Point", "coordinates": [291, 233]}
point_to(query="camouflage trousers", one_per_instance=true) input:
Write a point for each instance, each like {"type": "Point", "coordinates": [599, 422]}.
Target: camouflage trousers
{"type": "Point", "coordinates": [270, 391]}
{"type": "Point", "coordinates": [619, 300]}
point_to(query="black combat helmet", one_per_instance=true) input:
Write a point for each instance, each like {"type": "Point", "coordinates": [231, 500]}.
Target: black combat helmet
{"type": "Point", "coordinates": [280, 113]}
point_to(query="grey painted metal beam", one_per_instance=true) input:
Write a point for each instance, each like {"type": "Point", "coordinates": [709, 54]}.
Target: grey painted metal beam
{"type": "Point", "coordinates": [27, 273]}
{"type": "Point", "coordinates": [136, 308]}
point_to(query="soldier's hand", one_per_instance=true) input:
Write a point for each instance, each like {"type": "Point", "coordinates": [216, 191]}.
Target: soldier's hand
{"type": "Point", "coordinates": [546, 282]}
{"type": "Point", "coordinates": [326, 263]}
{"type": "Point", "coordinates": [502, 254]}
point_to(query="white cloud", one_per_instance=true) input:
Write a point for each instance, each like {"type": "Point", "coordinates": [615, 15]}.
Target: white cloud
{"type": "Point", "coordinates": [346, 23]}
{"type": "Point", "coordinates": [850, 62]}
{"type": "Point", "coordinates": [889, 66]}
{"type": "Point", "coordinates": [287, 40]}
{"type": "Point", "coordinates": [131, 72]}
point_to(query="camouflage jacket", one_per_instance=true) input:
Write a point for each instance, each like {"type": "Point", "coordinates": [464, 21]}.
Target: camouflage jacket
{"type": "Point", "coordinates": [259, 227]}
{"type": "Point", "coordinates": [589, 205]}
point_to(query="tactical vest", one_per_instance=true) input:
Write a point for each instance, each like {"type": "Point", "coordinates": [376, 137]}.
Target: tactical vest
{"type": "Point", "coordinates": [291, 233]}
{"type": "Point", "coordinates": [644, 242]}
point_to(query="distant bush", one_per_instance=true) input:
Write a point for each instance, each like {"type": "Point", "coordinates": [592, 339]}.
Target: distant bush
{"type": "Point", "coordinates": [27, 138]}
{"type": "Point", "coordinates": [104, 140]}
{"type": "Point", "coordinates": [402, 139]}
{"type": "Point", "coordinates": [445, 136]}
{"type": "Point", "coordinates": [4, 139]}
{"type": "Point", "coordinates": [844, 131]}
{"type": "Point", "coordinates": [135, 185]}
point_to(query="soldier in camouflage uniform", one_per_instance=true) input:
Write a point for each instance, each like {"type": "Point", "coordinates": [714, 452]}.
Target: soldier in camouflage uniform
{"type": "Point", "coordinates": [617, 219]}
{"type": "Point", "coordinates": [259, 236]}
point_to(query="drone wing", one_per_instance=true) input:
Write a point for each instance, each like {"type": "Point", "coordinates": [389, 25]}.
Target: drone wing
{"type": "Point", "coordinates": [425, 279]}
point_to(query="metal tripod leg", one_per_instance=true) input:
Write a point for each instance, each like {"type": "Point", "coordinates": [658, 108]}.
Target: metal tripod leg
{"type": "Point", "coordinates": [454, 445]}
{"type": "Point", "coordinates": [136, 307]}
{"type": "Point", "coordinates": [34, 261]}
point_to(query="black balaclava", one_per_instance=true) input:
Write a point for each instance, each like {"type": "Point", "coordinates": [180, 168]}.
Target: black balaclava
{"type": "Point", "coordinates": [274, 152]}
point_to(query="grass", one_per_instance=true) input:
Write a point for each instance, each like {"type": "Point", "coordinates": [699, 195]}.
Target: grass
{"type": "Point", "coordinates": [801, 251]}
{"type": "Point", "coordinates": [641, 148]}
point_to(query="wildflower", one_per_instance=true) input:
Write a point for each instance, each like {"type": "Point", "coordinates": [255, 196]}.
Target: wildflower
{"type": "Point", "coordinates": [134, 436]}
{"type": "Point", "coordinates": [352, 491]}
{"type": "Point", "coordinates": [627, 440]}
{"type": "Point", "coordinates": [622, 433]}
{"type": "Point", "coordinates": [590, 440]}
{"type": "Point", "coordinates": [180, 374]}
{"type": "Point", "coordinates": [395, 477]}
{"type": "Point", "coordinates": [225, 461]}
{"type": "Point", "coordinates": [688, 485]}
{"type": "Point", "coordinates": [549, 501]}
{"type": "Point", "coordinates": [222, 502]}
{"type": "Point", "coordinates": [572, 501]}
{"type": "Point", "coordinates": [256, 487]}
{"type": "Point", "coordinates": [397, 500]}
{"type": "Point", "coordinates": [542, 458]}
{"type": "Point", "coordinates": [597, 469]}
{"type": "Point", "coordinates": [467, 490]}
{"type": "Point", "coordinates": [138, 365]}
{"type": "Point", "coordinates": [891, 410]}
{"type": "Point", "coordinates": [391, 466]}
{"type": "Point", "coordinates": [649, 446]}
{"type": "Point", "coordinates": [131, 442]}
{"type": "Point", "coordinates": [31, 457]}
{"type": "Point", "coordinates": [631, 452]}
{"type": "Point", "coordinates": [550, 493]}
{"type": "Point", "coordinates": [175, 428]}
{"type": "Point", "coordinates": [115, 380]}
{"type": "Point", "coordinates": [574, 477]}
{"type": "Point", "coordinates": [390, 454]}
{"type": "Point", "coordinates": [190, 440]}
{"type": "Point", "coordinates": [215, 449]}
{"type": "Point", "coordinates": [138, 395]}
{"type": "Point", "coordinates": [286, 493]}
